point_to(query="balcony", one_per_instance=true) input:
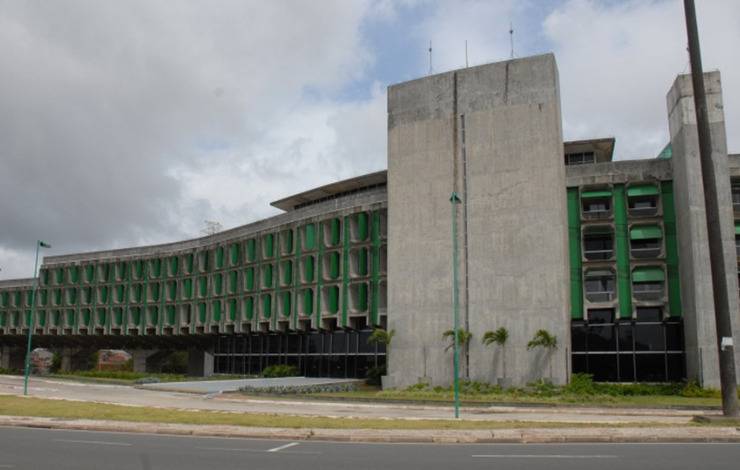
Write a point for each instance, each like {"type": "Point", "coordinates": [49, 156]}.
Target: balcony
{"type": "Point", "coordinates": [600, 285]}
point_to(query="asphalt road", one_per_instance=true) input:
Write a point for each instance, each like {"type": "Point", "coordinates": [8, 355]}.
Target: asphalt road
{"type": "Point", "coordinates": [22, 448]}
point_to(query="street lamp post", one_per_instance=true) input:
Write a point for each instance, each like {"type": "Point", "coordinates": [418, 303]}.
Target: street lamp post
{"type": "Point", "coordinates": [455, 200]}
{"type": "Point", "coordinates": [39, 245]}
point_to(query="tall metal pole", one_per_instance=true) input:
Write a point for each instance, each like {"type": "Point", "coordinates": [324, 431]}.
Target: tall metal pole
{"type": "Point", "coordinates": [722, 313]}
{"type": "Point", "coordinates": [30, 319]}
{"type": "Point", "coordinates": [454, 200]}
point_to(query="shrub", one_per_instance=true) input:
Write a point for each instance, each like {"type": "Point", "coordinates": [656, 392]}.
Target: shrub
{"type": "Point", "coordinates": [56, 363]}
{"type": "Point", "coordinates": [279, 370]}
{"type": "Point", "coordinates": [581, 384]}
{"type": "Point", "coordinates": [374, 374]}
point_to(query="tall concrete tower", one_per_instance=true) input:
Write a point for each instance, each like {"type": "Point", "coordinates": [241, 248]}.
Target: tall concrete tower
{"type": "Point", "coordinates": [493, 135]}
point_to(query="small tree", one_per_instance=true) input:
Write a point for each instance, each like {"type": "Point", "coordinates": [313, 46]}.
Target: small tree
{"type": "Point", "coordinates": [463, 339]}
{"type": "Point", "coordinates": [381, 336]}
{"type": "Point", "coordinates": [549, 342]}
{"type": "Point", "coordinates": [498, 337]}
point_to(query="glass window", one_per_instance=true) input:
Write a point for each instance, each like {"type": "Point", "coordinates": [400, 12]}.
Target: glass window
{"type": "Point", "coordinates": [598, 243]}
{"type": "Point", "coordinates": [649, 337]}
{"type": "Point", "coordinates": [602, 338]}
{"type": "Point", "coordinates": [599, 285]}
{"type": "Point", "coordinates": [650, 367]}
{"type": "Point", "coordinates": [601, 315]}
{"type": "Point", "coordinates": [603, 367]}
{"type": "Point", "coordinates": [627, 367]}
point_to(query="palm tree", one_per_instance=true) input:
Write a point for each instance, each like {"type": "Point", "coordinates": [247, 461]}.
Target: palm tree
{"type": "Point", "coordinates": [544, 339]}
{"type": "Point", "coordinates": [463, 339]}
{"type": "Point", "coordinates": [499, 337]}
{"type": "Point", "coordinates": [381, 336]}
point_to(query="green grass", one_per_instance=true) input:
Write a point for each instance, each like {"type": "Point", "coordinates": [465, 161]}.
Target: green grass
{"type": "Point", "coordinates": [28, 406]}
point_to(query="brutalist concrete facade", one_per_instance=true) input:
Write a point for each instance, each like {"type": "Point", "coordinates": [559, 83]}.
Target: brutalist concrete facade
{"type": "Point", "coordinates": [610, 258]}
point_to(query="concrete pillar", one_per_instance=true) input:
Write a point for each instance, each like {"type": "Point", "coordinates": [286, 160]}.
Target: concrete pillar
{"type": "Point", "coordinates": [139, 357]}
{"type": "Point", "coordinates": [694, 268]}
{"type": "Point", "coordinates": [67, 354]}
{"type": "Point", "coordinates": [200, 363]}
{"type": "Point", "coordinates": [493, 135]}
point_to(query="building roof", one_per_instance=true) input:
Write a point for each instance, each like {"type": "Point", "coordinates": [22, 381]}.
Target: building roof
{"type": "Point", "coordinates": [329, 191]}
{"type": "Point", "coordinates": [603, 148]}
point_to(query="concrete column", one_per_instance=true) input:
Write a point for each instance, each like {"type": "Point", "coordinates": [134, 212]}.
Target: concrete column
{"type": "Point", "coordinates": [694, 268]}
{"type": "Point", "coordinates": [200, 363]}
{"type": "Point", "coordinates": [139, 357]}
{"type": "Point", "coordinates": [493, 134]}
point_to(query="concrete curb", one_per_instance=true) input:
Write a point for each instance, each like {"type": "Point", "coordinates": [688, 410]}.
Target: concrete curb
{"type": "Point", "coordinates": [514, 435]}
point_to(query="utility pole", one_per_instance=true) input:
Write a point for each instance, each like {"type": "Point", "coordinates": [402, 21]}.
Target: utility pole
{"type": "Point", "coordinates": [722, 312]}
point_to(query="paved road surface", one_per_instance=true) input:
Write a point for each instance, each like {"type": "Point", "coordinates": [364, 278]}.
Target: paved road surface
{"type": "Point", "coordinates": [22, 448]}
{"type": "Point", "coordinates": [121, 394]}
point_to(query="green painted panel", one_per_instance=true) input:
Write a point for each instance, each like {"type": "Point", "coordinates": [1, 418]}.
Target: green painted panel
{"type": "Point", "coordinates": [41, 316]}
{"type": "Point", "coordinates": [44, 297]}
{"type": "Point", "coordinates": [362, 265]}
{"type": "Point", "coordinates": [737, 228]}
{"type": "Point", "coordinates": [135, 315]}
{"type": "Point", "coordinates": [3, 319]}
{"type": "Point", "coordinates": [266, 306]}
{"type": "Point", "coordinates": [334, 259]}
{"type": "Point", "coordinates": [646, 232]}
{"type": "Point", "coordinates": [27, 318]}
{"type": "Point", "coordinates": [333, 299]}
{"type": "Point", "coordinates": [345, 272]}
{"type": "Point", "coordinates": [15, 318]}
{"type": "Point", "coordinates": [309, 241]}
{"type": "Point", "coordinates": [251, 250]}
{"type": "Point", "coordinates": [218, 284]}
{"type": "Point", "coordinates": [335, 229]}
{"type": "Point", "coordinates": [122, 270]}
{"type": "Point", "coordinates": [286, 238]}
{"type": "Point", "coordinates": [286, 303]}
{"type": "Point", "coordinates": [155, 291]}
{"type": "Point", "coordinates": [642, 190]}
{"type": "Point", "coordinates": [57, 297]}
{"type": "Point", "coordinates": [86, 317]}
{"type": "Point", "coordinates": [86, 295]}
{"type": "Point", "coordinates": [18, 300]}
{"type": "Point", "coordinates": [137, 293]}
{"type": "Point", "coordinates": [71, 293]}
{"type": "Point", "coordinates": [4, 298]}
{"type": "Point", "coordinates": [267, 276]}
{"type": "Point", "coordinates": [249, 279]}
{"type": "Point", "coordinates": [249, 308]}
{"type": "Point", "coordinates": [187, 288]}
{"type": "Point", "coordinates": [56, 318]}
{"type": "Point", "coordinates": [171, 290]}
{"type": "Point", "coordinates": [174, 264]}
{"type": "Point", "coordinates": [120, 293]}
{"type": "Point", "coordinates": [118, 316]}
{"type": "Point", "coordinates": [202, 286]}
{"type": "Point", "coordinates": [287, 272]}
{"type": "Point", "coordinates": [155, 267]}
{"type": "Point", "coordinates": [362, 297]}
{"type": "Point", "coordinates": [29, 297]}
{"type": "Point", "coordinates": [596, 194]}
{"type": "Point", "coordinates": [74, 274]}
{"type": "Point", "coordinates": [233, 309]}
{"type": "Point", "coordinates": [308, 301]}
{"type": "Point", "coordinates": [89, 272]}
{"type": "Point", "coordinates": [219, 257]}
{"type": "Point", "coordinates": [308, 269]}
{"type": "Point", "coordinates": [233, 281]}
{"type": "Point", "coordinates": [171, 314]}
{"type": "Point", "coordinates": [216, 310]}
{"type": "Point", "coordinates": [59, 275]}
{"type": "Point", "coordinates": [154, 315]}
{"type": "Point", "coordinates": [101, 316]}
{"type": "Point", "coordinates": [624, 288]}
{"type": "Point", "coordinates": [138, 269]}
{"type": "Point", "coordinates": [189, 262]}
{"type": "Point", "coordinates": [361, 220]}
{"type": "Point", "coordinates": [44, 276]}
{"type": "Point", "coordinates": [202, 314]}
{"type": "Point", "coordinates": [268, 245]}
{"type": "Point", "coordinates": [648, 274]}
{"type": "Point", "coordinates": [234, 254]}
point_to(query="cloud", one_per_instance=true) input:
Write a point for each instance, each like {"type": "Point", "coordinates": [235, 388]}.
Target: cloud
{"type": "Point", "coordinates": [129, 123]}
{"type": "Point", "coordinates": [617, 62]}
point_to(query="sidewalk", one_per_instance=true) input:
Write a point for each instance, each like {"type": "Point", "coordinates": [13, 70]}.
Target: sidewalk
{"type": "Point", "coordinates": [555, 435]}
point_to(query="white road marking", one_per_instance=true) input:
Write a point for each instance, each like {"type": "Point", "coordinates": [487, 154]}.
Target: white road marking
{"type": "Point", "coordinates": [101, 443]}
{"type": "Point", "coordinates": [544, 456]}
{"type": "Point", "coordinates": [277, 449]}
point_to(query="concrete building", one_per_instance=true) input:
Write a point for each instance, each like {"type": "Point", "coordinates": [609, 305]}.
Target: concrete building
{"type": "Point", "coordinates": [609, 258]}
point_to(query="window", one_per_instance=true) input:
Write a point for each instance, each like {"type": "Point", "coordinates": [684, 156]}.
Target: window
{"type": "Point", "coordinates": [642, 200]}
{"type": "Point", "coordinates": [599, 285]}
{"type": "Point", "coordinates": [648, 283]}
{"type": "Point", "coordinates": [579, 158]}
{"type": "Point", "coordinates": [646, 241]}
{"type": "Point", "coordinates": [598, 243]}
{"type": "Point", "coordinates": [736, 196]}
{"type": "Point", "coordinates": [596, 204]}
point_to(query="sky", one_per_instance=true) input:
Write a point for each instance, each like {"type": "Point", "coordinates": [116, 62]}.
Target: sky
{"type": "Point", "coordinates": [132, 123]}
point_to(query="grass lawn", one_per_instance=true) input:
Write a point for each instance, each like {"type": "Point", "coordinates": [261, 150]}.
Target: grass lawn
{"type": "Point", "coordinates": [29, 406]}
{"type": "Point", "coordinates": [520, 396]}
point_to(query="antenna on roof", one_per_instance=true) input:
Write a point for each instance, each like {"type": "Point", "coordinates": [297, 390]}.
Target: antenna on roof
{"type": "Point", "coordinates": [466, 53]}
{"type": "Point", "coordinates": [430, 57]}
{"type": "Point", "coordinates": [511, 39]}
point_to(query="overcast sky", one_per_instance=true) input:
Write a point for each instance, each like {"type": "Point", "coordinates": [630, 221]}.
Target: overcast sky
{"type": "Point", "coordinates": [131, 122]}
